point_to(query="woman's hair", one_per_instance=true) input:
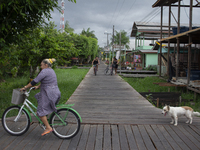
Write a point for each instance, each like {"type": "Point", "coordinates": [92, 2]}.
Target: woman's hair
{"type": "Point", "coordinates": [48, 61]}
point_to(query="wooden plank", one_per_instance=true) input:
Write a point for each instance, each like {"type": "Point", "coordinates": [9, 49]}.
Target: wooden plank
{"type": "Point", "coordinates": [30, 140]}
{"type": "Point", "coordinates": [64, 143]}
{"type": "Point", "coordinates": [185, 139]}
{"type": "Point", "coordinates": [198, 127]}
{"type": "Point", "coordinates": [115, 137]}
{"type": "Point", "coordinates": [176, 138]}
{"type": "Point", "coordinates": [84, 137]}
{"type": "Point", "coordinates": [195, 129]}
{"type": "Point", "coordinates": [17, 142]}
{"type": "Point", "coordinates": [168, 137]}
{"type": "Point", "coordinates": [154, 138]}
{"type": "Point", "coordinates": [92, 137]}
{"type": "Point", "coordinates": [123, 139]}
{"type": "Point", "coordinates": [50, 140]}
{"type": "Point", "coordinates": [41, 141]}
{"type": "Point", "coordinates": [130, 138]}
{"type": "Point", "coordinates": [7, 142]}
{"type": "Point", "coordinates": [138, 138]}
{"type": "Point", "coordinates": [75, 140]}
{"type": "Point", "coordinates": [189, 136]}
{"type": "Point", "coordinates": [99, 138]}
{"type": "Point", "coordinates": [164, 142]}
{"type": "Point", "coordinates": [107, 138]}
{"type": "Point", "coordinates": [57, 142]}
{"type": "Point", "coordinates": [194, 134]}
{"type": "Point", "coordinates": [146, 138]}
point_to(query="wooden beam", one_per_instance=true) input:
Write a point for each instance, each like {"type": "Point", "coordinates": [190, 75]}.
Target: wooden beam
{"type": "Point", "coordinates": [192, 89]}
{"type": "Point", "coordinates": [189, 44]}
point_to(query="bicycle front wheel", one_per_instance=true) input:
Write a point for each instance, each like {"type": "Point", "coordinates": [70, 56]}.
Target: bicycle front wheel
{"type": "Point", "coordinates": [65, 123]}
{"type": "Point", "coordinates": [13, 125]}
{"type": "Point", "coordinates": [106, 71]}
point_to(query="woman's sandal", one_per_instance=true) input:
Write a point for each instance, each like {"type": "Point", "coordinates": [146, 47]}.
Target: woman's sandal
{"type": "Point", "coordinates": [45, 133]}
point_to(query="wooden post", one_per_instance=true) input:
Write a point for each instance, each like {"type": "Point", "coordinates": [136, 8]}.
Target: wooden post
{"type": "Point", "coordinates": [195, 96]}
{"type": "Point", "coordinates": [178, 42]}
{"type": "Point", "coordinates": [168, 89]}
{"type": "Point", "coordinates": [157, 102]}
{"type": "Point", "coordinates": [180, 99]}
{"type": "Point", "coordinates": [161, 24]}
{"type": "Point", "coordinates": [169, 41]}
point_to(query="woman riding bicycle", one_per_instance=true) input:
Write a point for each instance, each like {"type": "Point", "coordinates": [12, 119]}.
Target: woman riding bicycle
{"type": "Point", "coordinates": [49, 94]}
{"type": "Point", "coordinates": [95, 63]}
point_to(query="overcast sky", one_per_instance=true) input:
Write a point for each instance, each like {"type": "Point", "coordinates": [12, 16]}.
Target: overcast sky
{"type": "Point", "coordinates": [101, 15]}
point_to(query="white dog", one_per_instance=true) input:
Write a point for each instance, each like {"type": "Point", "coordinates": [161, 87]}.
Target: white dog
{"type": "Point", "coordinates": [176, 112]}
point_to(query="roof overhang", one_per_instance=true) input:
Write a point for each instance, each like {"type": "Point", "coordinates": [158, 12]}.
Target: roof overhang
{"type": "Point", "coordinates": [164, 3]}
{"type": "Point", "coordinates": [184, 37]}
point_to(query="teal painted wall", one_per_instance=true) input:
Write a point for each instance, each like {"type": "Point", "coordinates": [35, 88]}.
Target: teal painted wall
{"type": "Point", "coordinates": [143, 47]}
{"type": "Point", "coordinates": [151, 59]}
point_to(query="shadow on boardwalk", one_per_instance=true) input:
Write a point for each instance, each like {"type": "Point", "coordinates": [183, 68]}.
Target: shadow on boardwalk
{"type": "Point", "coordinates": [115, 117]}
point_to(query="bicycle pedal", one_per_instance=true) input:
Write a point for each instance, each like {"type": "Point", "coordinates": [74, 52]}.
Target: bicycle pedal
{"type": "Point", "coordinates": [42, 126]}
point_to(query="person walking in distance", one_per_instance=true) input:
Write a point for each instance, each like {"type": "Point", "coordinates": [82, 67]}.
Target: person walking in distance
{"type": "Point", "coordinates": [115, 64]}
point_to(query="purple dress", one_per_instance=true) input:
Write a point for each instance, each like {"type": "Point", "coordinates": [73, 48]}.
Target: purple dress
{"type": "Point", "coordinates": [49, 94]}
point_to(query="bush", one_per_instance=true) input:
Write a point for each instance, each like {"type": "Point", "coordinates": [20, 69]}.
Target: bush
{"type": "Point", "coordinates": [74, 67]}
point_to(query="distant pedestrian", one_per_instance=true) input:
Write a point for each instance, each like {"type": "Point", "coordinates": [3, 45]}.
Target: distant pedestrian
{"type": "Point", "coordinates": [115, 64]}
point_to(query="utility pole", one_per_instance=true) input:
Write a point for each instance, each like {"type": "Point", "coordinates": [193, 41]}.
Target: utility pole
{"type": "Point", "coordinates": [120, 52]}
{"type": "Point", "coordinates": [107, 37]}
{"type": "Point", "coordinates": [113, 42]}
{"type": "Point", "coordinates": [107, 47]}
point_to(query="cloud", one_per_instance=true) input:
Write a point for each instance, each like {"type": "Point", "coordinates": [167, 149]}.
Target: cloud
{"type": "Point", "coordinates": [101, 15]}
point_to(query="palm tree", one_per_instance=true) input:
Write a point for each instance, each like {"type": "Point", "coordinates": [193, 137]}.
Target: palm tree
{"type": "Point", "coordinates": [124, 38]}
{"type": "Point", "coordinates": [88, 33]}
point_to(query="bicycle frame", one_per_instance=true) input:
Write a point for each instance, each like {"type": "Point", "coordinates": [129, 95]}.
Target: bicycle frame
{"type": "Point", "coordinates": [27, 103]}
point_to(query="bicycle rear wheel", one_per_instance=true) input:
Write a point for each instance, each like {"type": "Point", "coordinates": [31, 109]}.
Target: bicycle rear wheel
{"type": "Point", "coordinates": [106, 71]}
{"type": "Point", "coordinates": [71, 124]}
{"type": "Point", "coordinates": [95, 70]}
{"type": "Point", "coordinates": [18, 126]}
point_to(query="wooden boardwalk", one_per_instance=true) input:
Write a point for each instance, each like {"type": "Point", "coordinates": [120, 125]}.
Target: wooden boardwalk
{"type": "Point", "coordinates": [115, 117]}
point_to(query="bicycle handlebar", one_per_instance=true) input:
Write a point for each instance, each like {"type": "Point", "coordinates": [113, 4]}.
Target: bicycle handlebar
{"type": "Point", "coordinates": [27, 92]}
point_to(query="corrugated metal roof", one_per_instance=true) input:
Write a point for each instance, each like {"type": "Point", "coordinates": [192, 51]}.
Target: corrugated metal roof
{"type": "Point", "coordinates": [164, 3]}
{"type": "Point", "coordinates": [152, 29]}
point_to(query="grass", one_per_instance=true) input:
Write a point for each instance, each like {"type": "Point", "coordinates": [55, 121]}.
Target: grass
{"type": "Point", "coordinates": [68, 81]}
{"type": "Point", "coordinates": [146, 85]}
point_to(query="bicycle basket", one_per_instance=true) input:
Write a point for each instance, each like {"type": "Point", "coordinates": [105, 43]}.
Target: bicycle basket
{"type": "Point", "coordinates": [17, 97]}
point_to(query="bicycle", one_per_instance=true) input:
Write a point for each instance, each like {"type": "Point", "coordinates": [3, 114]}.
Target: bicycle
{"type": "Point", "coordinates": [108, 71]}
{"type": "Point", "coordinates": [65, 122]}
{"type": "Point", "coordinates": [95, 69]}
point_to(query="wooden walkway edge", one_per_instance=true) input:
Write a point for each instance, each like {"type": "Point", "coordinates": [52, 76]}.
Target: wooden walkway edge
{"type": "Point", "coordinates": [115, 117]}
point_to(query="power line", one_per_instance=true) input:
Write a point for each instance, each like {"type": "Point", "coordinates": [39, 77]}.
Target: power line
{"type": "Point", "coordinates": [150, 14]}
{"type": "Point", "coordinates": [114, 13]}
{"type": "Point", "coordinates": [128, 12]}
{"type": "Point", "coordinates": [119, 11]}
{"type": "Point", "coordinates": [155, 15]}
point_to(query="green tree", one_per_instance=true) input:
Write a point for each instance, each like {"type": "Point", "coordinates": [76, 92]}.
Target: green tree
{"type": "Point", "coordinates": [68, 29]}
{"type": "Point", "coordinates": [124, 38]}
{"type": "Point", "coordinates": [16, 16]}
{"type": "Point", "coordinates": [88, 33]}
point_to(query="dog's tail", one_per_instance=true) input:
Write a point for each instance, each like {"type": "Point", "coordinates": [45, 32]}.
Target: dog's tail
{"type": "Point", "coordinates": [196, 113]}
